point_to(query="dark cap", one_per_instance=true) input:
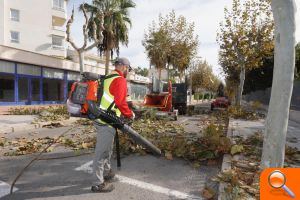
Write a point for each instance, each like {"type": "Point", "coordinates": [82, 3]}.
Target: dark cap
{"type": "Point", "coordinates": [123, 61]}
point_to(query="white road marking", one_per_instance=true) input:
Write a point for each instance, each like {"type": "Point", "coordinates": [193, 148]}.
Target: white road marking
{"type": "Point", "coordinates": [87, 167]}
{"type": "Point", "coordinates": [5, 189]}
{"type": "Point", "coordinates": [156, 188]}
{"type": "Point", "coordinates": [184, 120]}
{"type": "Point", "coordinates": [147, 186]}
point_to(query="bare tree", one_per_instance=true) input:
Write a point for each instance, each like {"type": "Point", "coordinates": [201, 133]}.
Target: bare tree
{"type": "Point", "coordinates": [283, 78]}
{"type": "Point", "coordinates": [97, 38]}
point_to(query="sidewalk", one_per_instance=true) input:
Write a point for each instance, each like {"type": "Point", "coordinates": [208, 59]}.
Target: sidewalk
{"type": "Point", "coordinates": [244, 129]}
{"type": "Point", "coordinates": [294, 114]}
{"type": "Point", "coordinates": [13, 123]}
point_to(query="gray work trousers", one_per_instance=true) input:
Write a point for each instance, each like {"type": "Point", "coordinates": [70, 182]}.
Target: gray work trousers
{"type": "Point", "coordinates": [103, 150]}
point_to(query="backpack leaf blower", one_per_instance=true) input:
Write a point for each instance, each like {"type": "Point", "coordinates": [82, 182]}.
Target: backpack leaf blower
{"type": "Point", "coordinates": [82, 102]}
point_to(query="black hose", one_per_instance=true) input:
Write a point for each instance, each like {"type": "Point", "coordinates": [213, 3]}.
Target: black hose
{"type": "Point", "coordinates": [118, 149]}
{"type": "Point", "coordinates": [36, 158]}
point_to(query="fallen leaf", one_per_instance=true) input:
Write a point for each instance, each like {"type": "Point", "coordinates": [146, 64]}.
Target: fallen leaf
{"type": "Point", "coordinates": [235, 149]}
{"type": "Point", "coordinates": [208, 193]}
{"type": "Point", "coordinates": [168, 156]}
{"type": "Point", "coordinates": [196, 165]}
{"type": "Point", "coordinates": [211, 162]}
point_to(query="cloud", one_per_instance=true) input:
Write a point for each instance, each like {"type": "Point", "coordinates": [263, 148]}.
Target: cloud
{"type": "Point", "coordinates": [206, 14]}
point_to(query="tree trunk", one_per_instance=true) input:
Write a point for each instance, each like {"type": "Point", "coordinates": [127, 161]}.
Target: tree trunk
{"type": "Point", "coordinates": [283, 77]}
{"type": "Point", "coordinates": [241, 86]}
{"type": "Point", "coordinates": [81, 61]}
{"type": "Point", "coordinates": [107, 60]}
{"type": "Point", "coordinates": [181, 75]}
{"type": "Point", "coordinates": [191, 88]}
{"type": "Point", "coordinates": [236, 92]}
{"type": "Point", "coordinates": [168, 71]}
{"type": "Point", "coordinates": [159, 74]}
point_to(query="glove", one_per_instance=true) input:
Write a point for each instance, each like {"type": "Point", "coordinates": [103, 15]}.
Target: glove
{"type": "Point", "coordinates": [133, 115]}
{"type": "Point", "coordinates": [128, 121]}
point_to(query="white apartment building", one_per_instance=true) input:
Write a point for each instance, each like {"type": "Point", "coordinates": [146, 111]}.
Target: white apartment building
{"type": "Point", "coordinates": [34, 25]}
{"type": "Point", "coordinates": [35, 66]}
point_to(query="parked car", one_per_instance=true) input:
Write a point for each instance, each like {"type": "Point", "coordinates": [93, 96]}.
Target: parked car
{"type": "Point", "coordinates": [220, 102]}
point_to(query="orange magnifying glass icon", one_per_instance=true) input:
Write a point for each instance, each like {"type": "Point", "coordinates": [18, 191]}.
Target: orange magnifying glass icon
{"type": "Point", "coordinates": [277, 180]}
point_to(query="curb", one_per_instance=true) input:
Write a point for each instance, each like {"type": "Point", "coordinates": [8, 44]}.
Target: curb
{"type": "Point", "coordinates": [226, 163]}
{"type": "Point", "coordinates": [24, 126]}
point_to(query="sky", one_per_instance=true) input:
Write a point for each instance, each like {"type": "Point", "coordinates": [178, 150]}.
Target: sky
{"type": "Point", "coordinates": [206, 14]}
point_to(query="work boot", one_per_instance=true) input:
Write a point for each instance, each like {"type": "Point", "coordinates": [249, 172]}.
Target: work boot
{"type": "Point", "coordinates": [104, 187]}
{"type": "Point", "coordinates": [110, 176]}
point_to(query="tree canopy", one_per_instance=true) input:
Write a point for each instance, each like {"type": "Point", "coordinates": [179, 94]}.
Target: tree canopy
{"type": "Point", "coordinates": [141, 71]}
{"type": "Point", "coordinates": [116, 24]}
{"type": "Point", "coordinates": [203, 77]}
{"type": "Point", "coordinates": [245, 38]}
{"type": "Point", "coordinates": [171, 42]}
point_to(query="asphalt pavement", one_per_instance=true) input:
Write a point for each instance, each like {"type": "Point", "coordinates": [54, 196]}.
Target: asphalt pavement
{"type": "Point", "coordinates": [140, 178]}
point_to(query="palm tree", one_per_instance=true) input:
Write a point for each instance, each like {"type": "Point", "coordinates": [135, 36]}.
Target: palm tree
{"type": "Point", "coordinates": [116, 24]}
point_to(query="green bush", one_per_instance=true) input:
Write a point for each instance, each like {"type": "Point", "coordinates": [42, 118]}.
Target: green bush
{"type": "Point", "coordinates": [206, 96]}
{"type": "Point", "coordinates": [196, 96]}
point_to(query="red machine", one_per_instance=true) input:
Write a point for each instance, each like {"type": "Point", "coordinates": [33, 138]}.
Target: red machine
{"type": "Point", "coordinates": [162, 101]}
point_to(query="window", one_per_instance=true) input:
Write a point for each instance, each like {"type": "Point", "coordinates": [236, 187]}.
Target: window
{"type": "Point", "coordinates": [35, 89]}
{"type": "Point", "coordinates": [57, 41]}
{"type": "Point", "coordinates": [73, 76]}
{"type": "Point", "coordinates": [53, 90]}
{"type": "Point", "coordinates": [59, 4]}
{"type": "Point", "coordinates": [29, 70]}
{"type": "Point", "coordinates": [14, 36]}
{"type": "Point", "coordinates": [14, 15]}
{"type": "Point", "coordinates": [7, 88]}
{"type": "Point", "coordinates": [7, 67]}
{"type": "Point", "coordinates": [23, 89]}
{"type": "Point", "coordinates": [53, 73]}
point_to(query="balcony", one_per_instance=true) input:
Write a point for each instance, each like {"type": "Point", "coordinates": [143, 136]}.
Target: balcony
{"type": "Point", "coordinates": [58, 47]}
{"type": "Point", "coordinates": [58, 30]}
{"type": "Point", "coordinates": [59, 8]}
{"type": "Point", "coordinates": [58, 20]}
{"type": "Point", "coordinates": [59, 12]}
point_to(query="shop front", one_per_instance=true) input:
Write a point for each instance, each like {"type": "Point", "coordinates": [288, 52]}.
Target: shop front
{"type": "Point", "coordinates": [23, 84]}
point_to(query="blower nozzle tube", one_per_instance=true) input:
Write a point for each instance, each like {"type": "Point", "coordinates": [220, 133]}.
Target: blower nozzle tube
{"type": "Point", "coordinates": [116, 122]}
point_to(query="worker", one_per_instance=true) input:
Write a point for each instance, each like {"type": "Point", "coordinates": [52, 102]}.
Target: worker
{"type": "Point", "coordinates": [113, 99]}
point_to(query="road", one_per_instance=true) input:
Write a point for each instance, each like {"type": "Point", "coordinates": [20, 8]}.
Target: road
{"type": "Point", "coordinates": [140, 178]}
{"type": "Point", "coordinates": [293, 134]}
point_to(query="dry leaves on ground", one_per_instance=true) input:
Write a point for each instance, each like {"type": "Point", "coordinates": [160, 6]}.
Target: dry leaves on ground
{"type": "Point", "coordinates": [243, 178]}
{"type": "Point", "coordinates": [170, 137]}
{"type": "Point", "coordinates": [175, 142]}
{"type": "Point", "coordinates": [239, 112]}
{"type": "Point", "coordinates": [81, 138]}
{"type": "Point", "coordinates": [208, 193]}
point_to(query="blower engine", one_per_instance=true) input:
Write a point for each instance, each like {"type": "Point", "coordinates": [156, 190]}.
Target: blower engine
{"type": "Point", "coordinates": [81, 92]}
